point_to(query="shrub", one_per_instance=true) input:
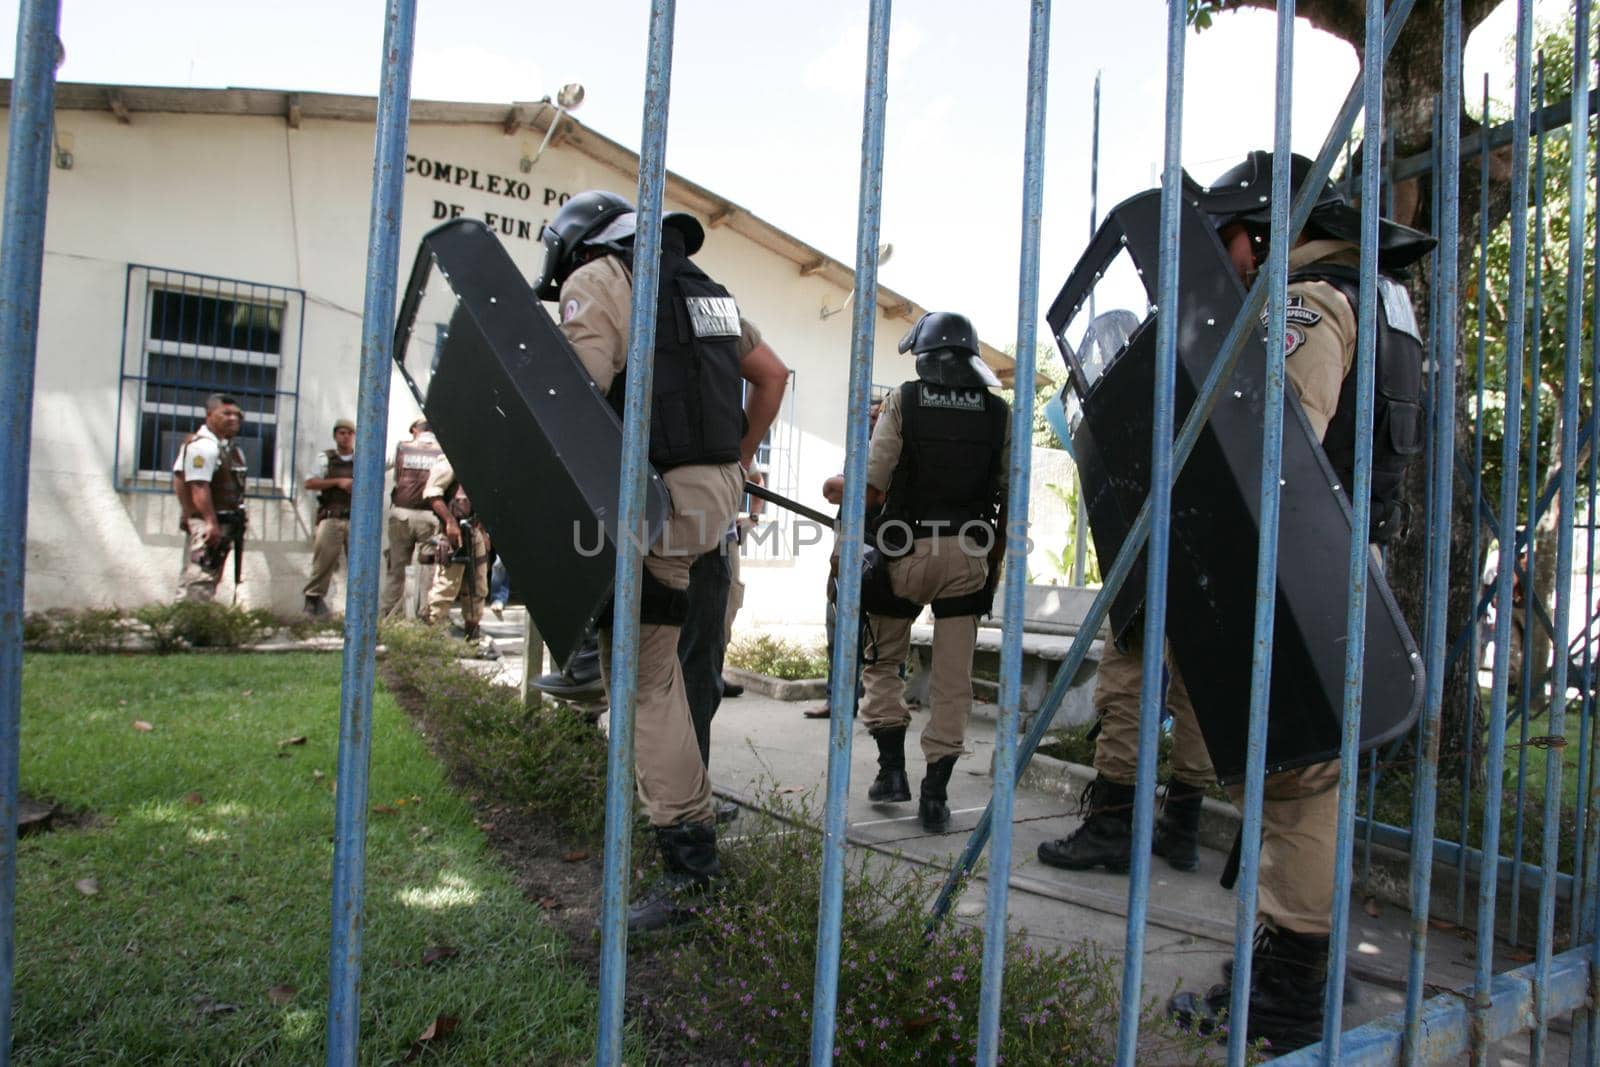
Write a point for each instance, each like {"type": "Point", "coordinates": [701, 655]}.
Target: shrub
{"type": "Point", "coordinates": [545, 759]}
{"type": "Point", "coordinates": [65, 630]}
{"type": "Point", "coordinates": [198, 625]}
{"type": "Point", "coordinates": [778, 657]}
{"type": "Point", "coordinates": [903, 997]}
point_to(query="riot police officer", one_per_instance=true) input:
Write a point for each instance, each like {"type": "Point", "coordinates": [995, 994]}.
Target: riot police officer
{"type": "Point", "coordinates": [1300, 810]}
{"type": "Point", "coordinates": [938, 468]}
{"type": "Point", "coordinates": [703, 436]}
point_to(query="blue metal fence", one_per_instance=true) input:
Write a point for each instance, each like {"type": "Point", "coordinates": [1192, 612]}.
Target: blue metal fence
{"type": "Point", "coordinates": [1437, 1030]}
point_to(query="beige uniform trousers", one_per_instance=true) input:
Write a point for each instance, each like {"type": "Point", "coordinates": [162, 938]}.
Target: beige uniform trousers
{"type": "Point", "coordinates": [408, 528]}
{"type": "Point", "coordinates": [328, 545]}
{"type": "Point", "coordinates": [449, 582]}
{"type": "Point", "coordinates": [936, 567]}
{"type": "Point", "coordinates": [1299, 810]}
{"type": "Point", "coordinates": [671, 777]}
{"type": "Point", "coordinates": [197, 581]}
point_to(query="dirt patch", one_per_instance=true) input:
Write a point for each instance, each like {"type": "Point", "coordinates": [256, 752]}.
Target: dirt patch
{"type": "Point", "coordinates": [562, 875]}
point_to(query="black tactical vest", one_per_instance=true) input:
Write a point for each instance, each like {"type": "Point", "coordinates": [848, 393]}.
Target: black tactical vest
{"type": "Point", "coordinates": [1397, 423]}
{"type": "Point", "coordinates": [697, 402]}
{"type": "Point", "coordinates": [952, 444]}
{"type": "Point", "coordinates": [335, 503]}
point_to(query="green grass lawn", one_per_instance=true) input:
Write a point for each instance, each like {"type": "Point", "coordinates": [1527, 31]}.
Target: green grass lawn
{"type": "Point", "coordinates": [209, 843]}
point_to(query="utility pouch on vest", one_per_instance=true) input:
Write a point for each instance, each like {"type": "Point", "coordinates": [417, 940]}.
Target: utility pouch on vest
{"type": "Point", "coordinates": [877, 593]}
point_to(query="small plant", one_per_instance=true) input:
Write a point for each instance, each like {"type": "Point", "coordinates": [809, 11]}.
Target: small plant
{"type": "Point", "coordinates": [904, 997]}
{"type": "Point", "coordinates": [301, 626]}
{"type": "Point", "coordinates": [546, 759]}
{"type": "Point", "coordinates": [198, 625]}
{"type": "Point", "coordinates": [66, 630]}
{"type": "Point", "coordinates": [778, 657]}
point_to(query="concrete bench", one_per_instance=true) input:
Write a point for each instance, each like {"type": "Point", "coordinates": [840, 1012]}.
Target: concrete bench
{"type": "Point", "coordinates": [1051, 618]}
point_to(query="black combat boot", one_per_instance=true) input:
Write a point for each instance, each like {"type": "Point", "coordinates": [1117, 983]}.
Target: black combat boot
{"type": "Point", "coordinates": [315, 608]}
{"type": "Point", "coordinates": [1287, 984]}
{"type": "Point", "coordinates": [1178, 829]}
{"type": "Point", "coordinates": [1106, 837]}
{"type": "Point", "coordinates": [891, 785]}
{"type": "Point", "coordinates": [688, 867]}
{"type": "Point", "coordinates": [931, 807]}
{"type": "Point", "coordinates": [581, 678]}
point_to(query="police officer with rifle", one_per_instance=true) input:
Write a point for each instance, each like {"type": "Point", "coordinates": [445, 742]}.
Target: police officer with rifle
{"type": "Point", "coordinates": [208, 477]}
{"type": "Point", "coordinates": [463, 562]}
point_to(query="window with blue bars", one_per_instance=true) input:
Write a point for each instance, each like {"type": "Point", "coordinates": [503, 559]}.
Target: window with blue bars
{"type": "Point", "coordinates": [188, 335]}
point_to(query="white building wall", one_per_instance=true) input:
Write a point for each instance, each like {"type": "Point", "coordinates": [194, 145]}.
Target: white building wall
{"type": "Point", "coordinates": [251, 199]}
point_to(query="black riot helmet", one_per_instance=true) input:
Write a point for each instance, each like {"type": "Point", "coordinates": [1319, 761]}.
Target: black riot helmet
{"type": "Point", "coordinates": [946, 347]}
{"type": "Point", "coordinates": [579, 219]}
{"type": "Point", "coordinates": [1243, 194]}
{"type": "Point", "coordinates": [600, 218]}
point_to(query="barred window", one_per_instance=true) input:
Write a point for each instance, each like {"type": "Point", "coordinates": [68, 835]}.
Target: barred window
{"type": "Point", "coordinates": [189, 335]}
{"type": "Point", "coordinates": [774, 534]}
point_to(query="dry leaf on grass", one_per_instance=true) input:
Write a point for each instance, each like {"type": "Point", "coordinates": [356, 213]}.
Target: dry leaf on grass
{"type": "Point", "coordinates": [142, 726]}
{"type": "Point", "coordinates": [194, 800]}
{"type": "Point", "coordinates": [383, 809]}
{"type": "Point", "coordinates": [281, 995]}
{"type": "Point", "coordinates": [441, 1027]}
{"type": "Point", "coordinates": [437, 953]}
{"type": "Point", "coordinates": [575, 857]}
{"type": "Point", "coordinates": [87, 886]}
{"type": "Point", "coordinates": [549, 903]}
{"type": "Point", "coordinates": [298, 739]}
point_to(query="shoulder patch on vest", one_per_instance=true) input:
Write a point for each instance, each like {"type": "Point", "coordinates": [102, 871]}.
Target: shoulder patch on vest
{"type": "Point", "coordinates": [199, 461]}
{"type": "Point", "coordinates": [1293, 338]}
{"type": "Point", "coordinates": [713, 316]}
{"type": "Point", "coordinates": [931, 396]}
{"type": "Point", "coordinates": [1295, 313]}
{"type": "Point", "coordinates": [568, 310]}
{"type": "Point", "coordinates": [1397, 309]}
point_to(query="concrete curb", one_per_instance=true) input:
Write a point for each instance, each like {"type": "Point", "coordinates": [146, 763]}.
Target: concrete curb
{"type": "Point", "coordinates": [778, 688]}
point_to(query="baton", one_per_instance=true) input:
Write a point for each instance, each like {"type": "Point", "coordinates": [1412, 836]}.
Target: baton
{"type": "Point", "coordinates": [784, 502]}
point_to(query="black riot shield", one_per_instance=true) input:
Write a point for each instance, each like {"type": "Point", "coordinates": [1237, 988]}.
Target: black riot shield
{"type": "Point", "coordinates": [530, 436]}
{"type": "Point", "coordinates": [1216, 513]}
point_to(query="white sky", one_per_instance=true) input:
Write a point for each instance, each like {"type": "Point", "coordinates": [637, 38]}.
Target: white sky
{"type": "Point", "coordinates": [767, 102]}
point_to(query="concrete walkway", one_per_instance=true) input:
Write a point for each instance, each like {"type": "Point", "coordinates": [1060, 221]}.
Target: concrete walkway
{"type": "Point", "coordinates": [760, 744]}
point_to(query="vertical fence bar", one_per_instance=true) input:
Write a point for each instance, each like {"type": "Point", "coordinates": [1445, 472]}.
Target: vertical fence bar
{"type": "Point", "coordinates": [1276, 273]}
{"type": "Point", "coordinates": [1470, 720]}
{"type": "Point", "coordinates": [1360, 524]}
{"type": "Point", "coordinates": [1080, 548]}
{"type": "Point", "coordinates": [1016, 535]}
{"type": "Point", "coordinates": [33, 94]}
{"type": "Point", "coordinates": [366, 534]}
{"type": "Point", "coordinates": [842, 671]}
{"type": "Point", "coordinates": [1586, 904]}
{"type": "Point", "coordinates": [630, 553]}
{"type": "Point", "coordinates": [1530, 620]}
{"type": "Point", "coordinates": [1515, 338]}
{"type": "Point", "coordinates": [1155, 600]}
{"type": "Point", "coordinates": [1446, 330]}
{"type": "Point", "coordinates": [1577, 186]}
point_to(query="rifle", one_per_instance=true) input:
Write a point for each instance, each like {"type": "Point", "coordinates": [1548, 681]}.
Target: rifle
{"type": "Point", "coordinates": [232, 524]}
